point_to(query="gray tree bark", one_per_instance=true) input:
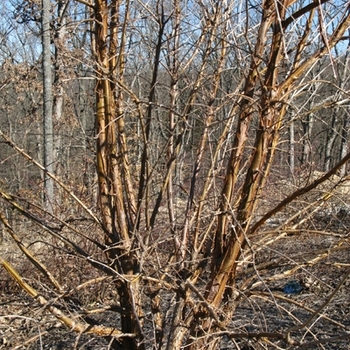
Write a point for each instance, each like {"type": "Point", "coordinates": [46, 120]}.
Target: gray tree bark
{"type": "Point", "coordinates": [47, 111]}
{"type": "Point", "coordinates": [292, 147]}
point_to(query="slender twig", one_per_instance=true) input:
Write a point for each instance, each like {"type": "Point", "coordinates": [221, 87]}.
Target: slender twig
{"type": "Point", "coordinates": [52, 176]}
{"type": "Point", "coordinates": [68, 321]}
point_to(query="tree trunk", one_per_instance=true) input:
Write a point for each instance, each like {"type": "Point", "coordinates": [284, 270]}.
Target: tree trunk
{"type": "Point", "coordinates": [116, 197]}
{"type": "Point", "coordinates": [331, 137]}
{"type": "Point", "coordinates": [291, 147]}
{"type": "Point", "coordinates": [58, 87]}
{"type": "Point", "coordinates": [48, 124]}
{"type": "Point", "coordinates": [344, 148]}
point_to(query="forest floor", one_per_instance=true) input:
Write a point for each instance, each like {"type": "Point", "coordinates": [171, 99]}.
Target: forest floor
{"type": "Point", "coordinates": [317, 316]}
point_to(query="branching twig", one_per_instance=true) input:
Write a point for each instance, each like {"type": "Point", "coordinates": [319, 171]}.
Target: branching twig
{"type": "Point", "coordinates": [318, 311]}
{"type": "Point", "coordinates": [70, 323]}
{"type": "Point", "coordinates": [52, 176]}
{"type": "Point", "coordinates": [298, 193]}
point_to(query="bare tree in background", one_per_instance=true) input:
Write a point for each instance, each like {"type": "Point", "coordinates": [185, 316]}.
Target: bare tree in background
{"type": "Point", "coordinates": [48, 141]}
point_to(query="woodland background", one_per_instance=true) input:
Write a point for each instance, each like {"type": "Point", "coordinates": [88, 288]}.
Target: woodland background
{"type": "Point", "coordinates": [168, 167]}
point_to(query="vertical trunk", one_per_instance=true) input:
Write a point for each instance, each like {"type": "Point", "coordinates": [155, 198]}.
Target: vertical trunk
{"type": "Point", "coordinates": [307, 135]}
{"type": "Point", "coordinates": [48, 125]}
{"type": "Point", "coordinates": [116, 198]}
{"type": "Point", "coordinates": [241, 135]}
{"type": "Point", "coordinates": [143, 193]}
{"type": "Point", "coordinates": [173, 67]}
{"type": "Point", "coordinates": [291, 148]}
{"type": "Point", "coordinates": [308, 125]}
{"type": "Point", "coordinates": [331, 137]}
{"type": "Point", "coordinates": [58, 88]}
{"type": "Point", "coordinates": [344, 148]}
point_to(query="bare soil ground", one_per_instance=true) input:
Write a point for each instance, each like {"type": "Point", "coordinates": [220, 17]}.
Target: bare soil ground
{"type": "Point", "coordinates": [319, 314]}
{"type": "Point", "coordinates": [315, 254]}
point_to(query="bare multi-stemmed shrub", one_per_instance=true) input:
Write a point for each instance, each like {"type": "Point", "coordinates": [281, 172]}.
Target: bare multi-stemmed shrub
{"type": "Point", "coordinates": [194, 230]}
